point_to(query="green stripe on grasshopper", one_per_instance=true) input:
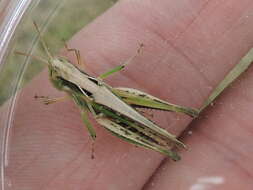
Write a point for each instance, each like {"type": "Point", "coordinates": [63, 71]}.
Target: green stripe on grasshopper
{"type": "Point", "coordinates": [137, 98]}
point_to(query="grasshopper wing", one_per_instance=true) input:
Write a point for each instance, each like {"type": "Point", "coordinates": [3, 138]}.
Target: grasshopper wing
{"type": "Point", "coordinates": [136, 138]}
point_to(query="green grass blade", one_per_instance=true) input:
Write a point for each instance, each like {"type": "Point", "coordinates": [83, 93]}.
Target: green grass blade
{"type": "Point", "coordinates": [241, 67]}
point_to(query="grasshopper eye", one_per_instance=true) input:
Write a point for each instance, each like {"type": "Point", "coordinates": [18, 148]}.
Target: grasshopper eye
{"type": "Point", "coordinates": [61, 59]}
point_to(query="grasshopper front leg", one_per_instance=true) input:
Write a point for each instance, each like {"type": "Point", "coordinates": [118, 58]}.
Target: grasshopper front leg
{"type": "Point", "coordinates": [91, 130]}
{"type": "Point", "coordinates": [84, 104]}
{"type": "Point", "coordinates": [87, 123]}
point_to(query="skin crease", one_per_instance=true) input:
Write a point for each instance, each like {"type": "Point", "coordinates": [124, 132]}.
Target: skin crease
{"type": "Point", "coordinates": [199, 40]}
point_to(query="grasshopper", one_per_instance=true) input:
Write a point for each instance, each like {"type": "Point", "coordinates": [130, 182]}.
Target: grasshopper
{"type": "Point", "coordinates": [113, 108]}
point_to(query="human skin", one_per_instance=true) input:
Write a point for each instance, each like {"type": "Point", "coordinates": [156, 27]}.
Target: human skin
{"type": "Point", "coordinates": [189, 48]}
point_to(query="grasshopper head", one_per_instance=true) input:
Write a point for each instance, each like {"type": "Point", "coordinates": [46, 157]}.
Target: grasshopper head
{"type": "Point", "coordinates": [60, 70]}
{"type": "Point", "coordinates": [60, 67]}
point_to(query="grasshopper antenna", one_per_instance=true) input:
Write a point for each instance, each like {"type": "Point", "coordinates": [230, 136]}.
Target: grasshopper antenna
{"type": "Point", "coordinates": [33, 56]}
{"type": "Point", "coordinates": [45, 47]}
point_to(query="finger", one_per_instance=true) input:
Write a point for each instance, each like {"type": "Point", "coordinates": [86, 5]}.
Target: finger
{"type": "Point", "coordinates": [220, 155]}
{"type": "Point", "coordinates": [176, 46]}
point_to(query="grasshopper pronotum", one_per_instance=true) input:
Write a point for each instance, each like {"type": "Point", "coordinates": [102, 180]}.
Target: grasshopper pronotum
{"type": "Point", "coordinates": [113, 108]}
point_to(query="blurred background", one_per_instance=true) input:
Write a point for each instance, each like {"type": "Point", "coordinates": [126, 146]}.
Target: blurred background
{"type": "Point", "coordinates": [58, 20]}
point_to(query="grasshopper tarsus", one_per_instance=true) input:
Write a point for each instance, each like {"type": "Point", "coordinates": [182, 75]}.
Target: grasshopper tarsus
{"type": "Point", "coordinates": [46, 100]}
{"type": "Point", "coordinates": [93, 150]}
{"type": "Point", "coordinates": [140, 48]}
{"type": "Point", "coordinates": [176, 158]}
{"type": "Point", "coordinates": [40, 97]}
{"type": "Point", "coordinates": [36, 96]}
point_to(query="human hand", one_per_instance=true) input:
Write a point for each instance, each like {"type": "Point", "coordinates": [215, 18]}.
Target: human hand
{"type": "Point", "coordinates": [189, 48]}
